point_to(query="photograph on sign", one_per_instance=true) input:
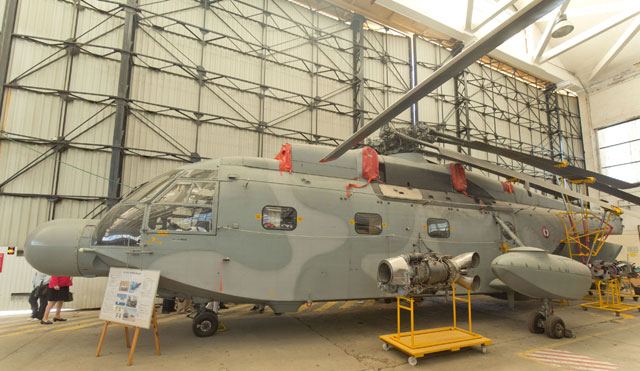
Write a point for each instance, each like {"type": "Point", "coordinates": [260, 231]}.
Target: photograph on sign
{"type": "Point", "coordinates": [129, 296]}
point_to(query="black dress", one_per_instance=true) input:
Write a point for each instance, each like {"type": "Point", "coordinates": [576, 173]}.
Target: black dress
{"type": "Point", "coordinates": [58, 295]}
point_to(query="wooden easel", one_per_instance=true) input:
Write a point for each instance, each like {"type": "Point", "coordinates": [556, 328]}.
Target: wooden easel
{"type": "Point", "coordinates": [154, 321]}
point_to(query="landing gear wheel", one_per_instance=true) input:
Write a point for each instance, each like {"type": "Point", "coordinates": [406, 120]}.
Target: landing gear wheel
{"type": "Point", "coordinates": [536, 323]}
{"type": "Point", "coordinates": [386, 347]}
{"type": "Point", "coordinates": [554, 327]}
{"type": "Point", "coordinates": [412, 361]}
{"type": "Point", "coordinates": [483, 349]}
{"type": "Point", "coordinates": [205, 324]}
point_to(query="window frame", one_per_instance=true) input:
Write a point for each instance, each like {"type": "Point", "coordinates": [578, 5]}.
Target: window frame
{"type": "Point", "coordinates": [213, 206]}
{"type": "Point", "coordinates": [355, 223]}
{"type": "Point", "coordinates": [435, 234]}
{"type": "Point", "coordinates": [295, 218]}
{"type": "Point", "coordinates": [607, 168]}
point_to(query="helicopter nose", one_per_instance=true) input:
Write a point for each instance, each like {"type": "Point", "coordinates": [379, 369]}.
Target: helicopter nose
{"type": "Point", "coordinates": [52, 248]}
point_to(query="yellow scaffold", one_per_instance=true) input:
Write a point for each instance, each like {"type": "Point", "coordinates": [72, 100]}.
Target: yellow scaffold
{"type": "Point", "coordinates": [586, 233]}
{"type": "Point", "coordinates": [418, 343]}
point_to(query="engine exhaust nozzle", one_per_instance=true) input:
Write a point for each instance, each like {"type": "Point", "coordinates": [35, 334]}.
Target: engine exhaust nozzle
{"type": "Point", "coordinates": [467, 260]}
{"type": "Point", "coordinates": [469, 283]}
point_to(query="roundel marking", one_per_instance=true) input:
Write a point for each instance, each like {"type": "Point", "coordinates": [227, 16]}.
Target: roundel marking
{"type": "Point", "coordinates": [545, 232]}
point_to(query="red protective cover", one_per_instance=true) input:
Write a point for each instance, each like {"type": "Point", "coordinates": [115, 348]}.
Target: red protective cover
{"type": "Point", "coordinates": [458, 177]}
{"type": "Point", "coordinates": [370, 167]}
{"type": "Point", "coordinates": [508, 187]}
{"type": "Point", "coordinates": [285, 158]}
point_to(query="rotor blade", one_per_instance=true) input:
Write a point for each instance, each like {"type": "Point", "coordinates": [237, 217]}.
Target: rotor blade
{"type": "Point", "coordinates": [567, 172]}
{"type": "Point", "coordinates": [508, 173]}
{"type": "Point", "coordinates": [528, 15]}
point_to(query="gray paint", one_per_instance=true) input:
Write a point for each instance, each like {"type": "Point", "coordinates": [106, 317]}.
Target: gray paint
{"type": "Point", "coordinates": [323, 258]}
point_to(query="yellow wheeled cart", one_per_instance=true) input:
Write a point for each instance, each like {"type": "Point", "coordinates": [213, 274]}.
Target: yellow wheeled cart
{"type": "Point", "coordinates": [627, 290]}
{"type": "Point", "coordinates": [610, 298]}
{"type": "Point", "coordinates": [418, 343]}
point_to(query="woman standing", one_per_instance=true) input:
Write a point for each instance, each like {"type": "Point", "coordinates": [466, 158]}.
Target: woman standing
{"type": "Point", "coordinates": [58, 293]}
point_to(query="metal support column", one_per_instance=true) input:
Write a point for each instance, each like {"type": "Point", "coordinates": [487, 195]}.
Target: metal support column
{"type": "Point", "coordinates": [554, 131]}
{"type": "Point", "coordinates": [8, 25]}
{"type": "Point", "coordinates": [262, 124]}
{"type": "Point", "coordinates": [124, 83]}
{"type": "Point", "coordinates": [358, 74]}
{"type": "Point", "coordinates": [413, 78]}
{"type": "Point", "coordinates": [463, 126]}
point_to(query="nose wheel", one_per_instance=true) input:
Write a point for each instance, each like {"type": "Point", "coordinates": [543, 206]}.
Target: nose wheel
{"type": "Point", "coordinates": [544, 321]}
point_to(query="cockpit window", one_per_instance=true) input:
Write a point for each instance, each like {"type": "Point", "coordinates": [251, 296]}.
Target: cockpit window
{"type": "Point", "coordinates": [187, 192]}
{"type": "Point", "coordinates": [151, 188]}
{"type": "Point", "coordinates": [180, 218]}
{"type": "Point", "coordinates": [186, 206]}
{"type": "Point", "coordinates": [199, 174]}
{"type": "Point", "coordinates": [121, 226]}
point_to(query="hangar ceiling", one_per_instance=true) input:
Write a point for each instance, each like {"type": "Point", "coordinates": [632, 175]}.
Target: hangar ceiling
{"type": "Point", "coordinates": [610, 27]}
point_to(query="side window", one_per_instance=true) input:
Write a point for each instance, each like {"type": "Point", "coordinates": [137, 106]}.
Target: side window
{"type": "Point", "coordinates": [279, 218]}
{"type": "Point", "coordinates": [438, 228]}
{"type": "Point", "coordinates": [366, 223]}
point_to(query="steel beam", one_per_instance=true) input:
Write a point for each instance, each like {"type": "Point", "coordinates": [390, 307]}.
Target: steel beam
{"type": "Point", "coordinates": [469, 21]}
{"type": "Point", "coordinates": [8, 25]}
{"type": "Point", "coordinates": [546, 35]}
{"type": "Point", "coordinates": [628, 34]}
{"type": "Point", "coordinates": [358, 72]}
{"type": "Point", "coordinates": [499, 9]}
{"type": "Point", "coordinates": [122, 104]}
{"type": "Point", "coordinates": [553, 122]}
{"type": "Point", "coordinates": [528, 15]}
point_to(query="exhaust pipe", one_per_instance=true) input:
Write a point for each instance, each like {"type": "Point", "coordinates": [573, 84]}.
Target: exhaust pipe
{"type": "Point", "coordinates": [467, 260]}
{"type": "Point", "coordinates": [469, 283]}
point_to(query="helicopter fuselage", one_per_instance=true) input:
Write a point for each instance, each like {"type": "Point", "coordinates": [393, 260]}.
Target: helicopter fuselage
{"type": "Point", "coordinates": [245, 231]}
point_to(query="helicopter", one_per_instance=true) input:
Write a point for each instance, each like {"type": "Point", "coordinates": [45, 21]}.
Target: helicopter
{"type": "Point", "coordinates": [321, 224]}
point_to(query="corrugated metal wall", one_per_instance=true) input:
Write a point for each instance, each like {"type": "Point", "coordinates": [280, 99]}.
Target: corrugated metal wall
{"type": "Point", "coordinates": [235, 77]}
{"type": "Point", "coordinates": [232, 78]}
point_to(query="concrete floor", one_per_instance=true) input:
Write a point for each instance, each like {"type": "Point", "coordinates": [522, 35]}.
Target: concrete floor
{"type": "Point", "coordinates": [327, 336]}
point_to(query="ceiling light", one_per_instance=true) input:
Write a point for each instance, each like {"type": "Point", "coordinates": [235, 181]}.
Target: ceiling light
{"type": "Point", "coordinates": [562, 27]}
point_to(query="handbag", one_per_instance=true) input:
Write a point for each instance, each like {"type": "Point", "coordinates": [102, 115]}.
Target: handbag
{"type": "Point", "coordinates": [69, 297]}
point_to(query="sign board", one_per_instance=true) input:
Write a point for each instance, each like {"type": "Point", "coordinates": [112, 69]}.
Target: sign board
{"type": "Point", "coordinates": [129, 296]}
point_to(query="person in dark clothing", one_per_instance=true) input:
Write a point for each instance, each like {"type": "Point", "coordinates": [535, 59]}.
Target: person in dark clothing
{"type": "Point", "coordinates": [40, 291]}
{"type": "Point", "coordinates": [58, 293]}
{"type": "Point", "coordinates": [168, 305]}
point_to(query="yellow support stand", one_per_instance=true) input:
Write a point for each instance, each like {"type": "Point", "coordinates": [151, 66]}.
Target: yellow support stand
{"type": "Point", "coordinates": [154, 321]}
{"type": "Point", "coordinates": [418, 343]}
{"type": "Point", "coordinates": [609, 298]}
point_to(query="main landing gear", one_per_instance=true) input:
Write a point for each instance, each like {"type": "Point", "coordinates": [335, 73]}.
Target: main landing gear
{"type": "Point", "coordinates": [543, 320]}
{"type": "Point", "coordinates": [205, 323]}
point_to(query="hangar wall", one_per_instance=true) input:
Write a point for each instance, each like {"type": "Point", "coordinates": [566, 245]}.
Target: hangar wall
{"type": "Point", "coordinates": [101, 96]}
{"type": "Point", "coordinates": [612, 102]}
